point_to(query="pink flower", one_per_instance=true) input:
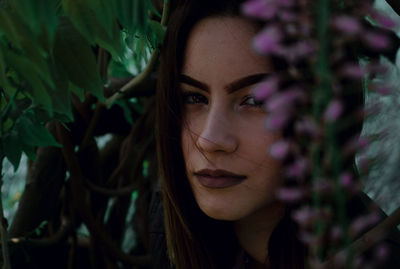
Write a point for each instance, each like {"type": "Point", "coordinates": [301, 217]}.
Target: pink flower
{"type": "Point", "coordinates": [334, 111]}
{"type": "Point", "coordinates": [268, 40]}
{"type": "Point", "coordinates": [307, 126]}
{"type": "Point", "coordinates": [381, 252]}
{"type": "Point", "coordinates": [266, 88]}
{"type": "Point", "coordinates": [261, 9]}
{"type": "Point", "coordinates": [298, 169]}
{"type": "Point", "coordinates": [346, 180]}
{"type": "Point", "coordinates": [284, 100]}
{"type": "Point", "coordinates": [352, 70]}
{"type": "Point", "coordinates": [304, 216]}
{"type": "Point", "coordinates": [377, 41]}
{"type": "Point", "coordinates": [336, 233]}
{"type": "Point", "coordinates": [290, 195]}
{"type": "Point", "coordinates": [276, 121]}
{"type": "Point", "coordinates": [347, 24]}
{"type": "Point", "coordinates": [279, 150]}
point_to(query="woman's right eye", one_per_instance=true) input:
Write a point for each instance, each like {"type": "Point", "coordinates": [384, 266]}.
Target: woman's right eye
{"type": "Point", "coordinates": [191, 98]}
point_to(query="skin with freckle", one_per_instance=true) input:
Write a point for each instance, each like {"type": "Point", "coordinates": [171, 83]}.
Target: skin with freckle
{"type": "Point", "coordinates": [224, 129]}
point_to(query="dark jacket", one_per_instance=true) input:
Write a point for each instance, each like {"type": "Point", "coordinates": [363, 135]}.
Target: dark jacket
{"type": "Point", "coordinates": [159, 250]}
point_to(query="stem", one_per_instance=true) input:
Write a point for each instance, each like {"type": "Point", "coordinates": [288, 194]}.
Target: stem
{"type": "Point", "coordinates": [322, 95]}
{"type": "Point", "coordinates": [3, 228]}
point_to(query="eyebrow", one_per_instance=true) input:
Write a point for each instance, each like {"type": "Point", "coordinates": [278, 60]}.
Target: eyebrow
{"type": "Point", "coordinates": [231, 87]}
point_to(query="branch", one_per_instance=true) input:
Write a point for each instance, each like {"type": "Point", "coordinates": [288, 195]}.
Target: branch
{"type": "Point", "coordinates": [369, 239]}
{"type": "Point", "coordinates": [130, 86]}
{"type": "Point", "coordinates": [79, 202]}
{"type": "Point", "coordinates": [46, 242]}
{"type": "Point", "coordinates": [3, 227]}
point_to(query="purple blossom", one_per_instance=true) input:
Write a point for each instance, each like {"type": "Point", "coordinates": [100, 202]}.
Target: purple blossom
{"type": "Point", "coordinates": [334, 111]}
{"type": "Point", "coordinates": [260, 9]}
{"type": "Point", "coordinates": [381, 252]}
{"type": "Point", "coordinates": [276, 121]}
{"type": "Point", "coordinates": [307, 126]}
{"type": "Point", "coordinates": [290, 195]}
{"type": "Point", "coordinates": [346, 180]}
{"type": "Point", "coordinates": [304, 216]}
{"type": "Point", "coordinates": [266, 88]}
{"type": "Point", "coordinates": [347, 24]}
{"type": "Point", "coordinates": [288, 16]}
{"type": "Point", "coordinates": [298, 169]}
{"type": "Point", "coordinates": [284, 100]}
{"type": "Point", "coordinates": [279, 150]}
{"type": "Point", "coordinates": [336, 233]}
{"type": "Point", "coordinates": [376, 40]}
{"type": "Point", "coordinates": [268, 40]}
{"type": "Point", "coordinates": [352, 70]}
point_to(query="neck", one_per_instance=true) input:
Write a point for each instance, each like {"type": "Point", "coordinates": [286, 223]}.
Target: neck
{"type": "Point", "coordinates": [254, 231]}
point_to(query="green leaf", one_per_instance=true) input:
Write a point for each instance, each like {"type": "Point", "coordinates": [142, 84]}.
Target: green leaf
{"type": "Point", "coordinates": [28, 71]}
{"type": "Point", "coordinates": [8, 28]}
{"type": "Point", "coordinates": [39, 15]}
{"type": "Point", "coordinates": [103, 31]}
{"type": "Point", "coordinates": [12, 148]}
{"type": "Point", "coordinates": [156, 33]}
{"type": "Point", "coordinates": [79, 92]}
{"type": "Point", "coordinates": [4, 83]}
{"type": "Point", "coordinates": [75, 58]}
{"type": "Point", "coordinates": [132, 14]}
{"type": "Point", "coordinates": [34, 133]}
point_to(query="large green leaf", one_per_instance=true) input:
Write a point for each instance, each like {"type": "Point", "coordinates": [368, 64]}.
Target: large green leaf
{"type": "Point", "coordinates": [12, 148]}
{"type": "Point", "coordinates": [32, 132]}
{"type": "Point", "coordinates": [132, 14]}
{"type": "Point", "coordinates": [103, 31]}
{"type": "Point", "coordinates": [75, 58]}
{"type": "Point", "coordinates": [39, 15]}
{"type": "Point", "coordinates": [28, 71]}
{"type": "Point", "coordinates": [23, 41]}
{"type": "Point", "coordinates": [4, 83]}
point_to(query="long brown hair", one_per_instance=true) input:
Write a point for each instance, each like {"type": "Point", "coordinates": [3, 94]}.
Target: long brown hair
{"type": "Point", "coordinates": [193, 239]}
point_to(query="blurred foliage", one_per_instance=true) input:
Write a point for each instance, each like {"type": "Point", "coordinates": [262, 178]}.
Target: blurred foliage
{"type": "Point", "coordinates": [48, 53]}
{"type": "Point", "coordinates": [60, 61]}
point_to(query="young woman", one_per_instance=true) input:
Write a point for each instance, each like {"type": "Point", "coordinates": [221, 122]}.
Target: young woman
{"type": "Point", "coordinates": [218, 181]}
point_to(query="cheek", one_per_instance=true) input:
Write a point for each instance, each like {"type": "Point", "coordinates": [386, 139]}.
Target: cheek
{"type": "Point", "coordinates": [187, 144]}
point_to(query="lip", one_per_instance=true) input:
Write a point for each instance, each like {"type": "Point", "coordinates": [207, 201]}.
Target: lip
{"type": "Point", "coordinates": [218, 179]}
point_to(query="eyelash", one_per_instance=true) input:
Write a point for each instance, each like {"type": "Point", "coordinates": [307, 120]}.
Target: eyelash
{"type": "Point", "coordinates": [192, 98]}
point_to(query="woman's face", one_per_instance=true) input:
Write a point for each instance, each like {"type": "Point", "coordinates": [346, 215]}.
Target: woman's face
{"type": "Point", "coordinates": [225, 144]}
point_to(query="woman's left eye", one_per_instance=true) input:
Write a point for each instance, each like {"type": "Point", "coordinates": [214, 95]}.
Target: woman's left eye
{"type": "Point", "coordinates": [251, 101]}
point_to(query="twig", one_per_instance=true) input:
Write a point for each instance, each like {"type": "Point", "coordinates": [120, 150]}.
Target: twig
{"type": "Point", "coordinates": [369, 239]}
{"type": "Point", "coordinates": [3, 228]}
{"type": "Point", "coordinates": [125, 90]}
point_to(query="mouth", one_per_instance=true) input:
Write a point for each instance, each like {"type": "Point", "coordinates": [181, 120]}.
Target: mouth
{"type": "Point", "coordinates": [218, 179]}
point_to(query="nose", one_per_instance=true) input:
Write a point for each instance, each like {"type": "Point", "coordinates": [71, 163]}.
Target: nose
{"type": "Point", "coordinates": [218, 134]}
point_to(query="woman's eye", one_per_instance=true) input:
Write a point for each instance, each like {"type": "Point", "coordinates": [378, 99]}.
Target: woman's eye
{"type": "Point", "coordinates": [251, 101]}
{"type": "Point", "coordinates": [194, 98]}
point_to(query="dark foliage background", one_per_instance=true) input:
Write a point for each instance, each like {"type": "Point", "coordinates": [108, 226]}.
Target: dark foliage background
{"type": "Point", "coordinates": [76, 90]}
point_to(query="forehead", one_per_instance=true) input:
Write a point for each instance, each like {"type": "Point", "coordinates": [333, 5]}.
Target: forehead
{"type": "Point", "coordinates": [219, 48]}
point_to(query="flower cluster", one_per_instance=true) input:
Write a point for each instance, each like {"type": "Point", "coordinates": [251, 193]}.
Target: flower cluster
{"type": "Point", "coordinates": [325, 53]}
